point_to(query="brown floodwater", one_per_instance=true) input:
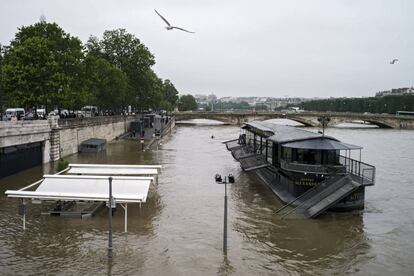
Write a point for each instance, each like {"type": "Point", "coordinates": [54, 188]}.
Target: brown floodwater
{"type": "Point", "coordinates": [179, 230]}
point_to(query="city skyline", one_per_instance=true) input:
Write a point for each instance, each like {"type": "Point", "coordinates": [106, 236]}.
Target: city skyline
{"type": "Point", "coordinates": [276, 49]}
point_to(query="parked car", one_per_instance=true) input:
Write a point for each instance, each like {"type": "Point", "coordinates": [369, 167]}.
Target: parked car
{"type": "Point", "coordinates": [90, 111]}
{"type": "Point", "coordinates": [79, 114]}
{"type": "Point", "coordinates": [72, 114]}
{"type": "Point", "coordinates": [64, 113]}
{"type": "Point", "coordinates": [18, 113]}
{"type": "Point", "coordinates": [29, 116]}
{"type": "Point", "coordinates": [41, 113]}
{"type": "Point", "coordinates": [53, 114]}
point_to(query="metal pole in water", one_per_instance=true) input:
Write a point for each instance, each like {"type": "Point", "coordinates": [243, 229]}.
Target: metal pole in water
{"type": "Point", "coordinates": [24, 214]}
{"type": "Point", "coordinates": [110, 219]}
{"type": "Point", "coordinates": [225, 220]}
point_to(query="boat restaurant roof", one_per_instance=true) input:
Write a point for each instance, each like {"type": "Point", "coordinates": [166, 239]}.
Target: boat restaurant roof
{"type": "Point", "coordinates": [321, 144]}
{"type": "Point", "coordinates": [293, 137]}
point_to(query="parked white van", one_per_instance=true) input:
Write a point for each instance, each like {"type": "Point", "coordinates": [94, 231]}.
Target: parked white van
{"type": "Point", "coordinates": [41, 113]}
{"type": "Point", "coordinates": [18, 113]}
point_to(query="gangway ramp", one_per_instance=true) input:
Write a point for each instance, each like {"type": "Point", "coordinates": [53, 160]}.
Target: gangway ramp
{"type": "Point", "coordinates": [324, 196]}
{"type": "Point", "coordinates": [253, 162]}
{"type": "Point", "coordinates": [233, 144]}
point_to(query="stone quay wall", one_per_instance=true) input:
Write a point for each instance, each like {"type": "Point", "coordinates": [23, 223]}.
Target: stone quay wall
{"type": "Point", "coordinates": [62, 137]}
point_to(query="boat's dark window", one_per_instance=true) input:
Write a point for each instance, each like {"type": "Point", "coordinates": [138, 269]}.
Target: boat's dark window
{"type": "Point", "coordinates": [304, 156]}
{"type": "Point", "coordinates": [330, 157]}
{"type": "Point", "coordinates": [250, 137]}
{"type": "Point", "coordinates": [263, 146]}
{"type": "Point", "coordinates": [257, 143]}
{"type": "Point", "coordinates": [269, 152]}
{"type": "Point", "coordinates": [287, 154]}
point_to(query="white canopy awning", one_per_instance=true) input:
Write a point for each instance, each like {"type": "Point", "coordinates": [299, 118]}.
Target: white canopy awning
{"type": "Point", "coordinates": [125, 189]}
{"type": "Point", "coordinates": [95, 170]}
{"type": "Point", "coordinates": [117, 169]}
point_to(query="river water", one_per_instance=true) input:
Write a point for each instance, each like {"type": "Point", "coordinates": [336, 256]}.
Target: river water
{"type": "Point", "coordinates": [179, 230]}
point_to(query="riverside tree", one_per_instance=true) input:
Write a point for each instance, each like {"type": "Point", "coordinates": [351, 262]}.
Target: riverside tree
{"type": "Point", "coordinates": [107, 85]}
{"type": "Point", "coordinates": [187, 103]}
{"type": "Point", "coordinates": [170, 95]}
{"type": "Point", "coordinates": [42, 66]}
{"type": "Point", "coordinates": [128, 54]}
{"type": "Point", "coordinates": [386, 104]}
{"type": "Point", "coordinates": [2, 95]}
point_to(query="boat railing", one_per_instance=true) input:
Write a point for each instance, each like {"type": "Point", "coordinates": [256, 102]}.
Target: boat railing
{"type": "Point", "coordinates": [312, 168]}
{"type": "Point", "coordinates": [361, 172]}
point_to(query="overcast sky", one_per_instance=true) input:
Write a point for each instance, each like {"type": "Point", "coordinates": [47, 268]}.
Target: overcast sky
{"type": "Point", "coordinates": [251, 48]}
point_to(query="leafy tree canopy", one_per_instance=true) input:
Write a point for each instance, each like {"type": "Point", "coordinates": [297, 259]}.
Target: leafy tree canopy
{"type": "Point", "coordinates": [128, 54]}
{"type": "Point", "coordinates": [186, 103]}
{"type": "Point", "coordinates": [44, 66]}
{"type": "Point", "coordinates": [170, 95]}
{"type": "Point", "coordinates": [2, 94]}
{"type": "Point", "coordinates": [107, 85]}
{"type": "Point", "coordinates": [41, 67]}
{"type": "Point", "coordinates": [386, 104]}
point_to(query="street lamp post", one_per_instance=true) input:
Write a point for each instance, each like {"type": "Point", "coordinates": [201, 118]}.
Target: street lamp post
{"type": "Point", "coordinates": [110, 220]}
{"type": "Point", "coordinates": [324, 120]}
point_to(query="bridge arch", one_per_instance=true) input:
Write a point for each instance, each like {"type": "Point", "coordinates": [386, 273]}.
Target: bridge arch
{"type": "Point", "coordinates": [305, 122]}
{"type": "Point", "coordinates": [195, 116]}
{"type": "Point", "coordinates": [380, 124]}
{"type": "Point", "coordinates": [308, 119]}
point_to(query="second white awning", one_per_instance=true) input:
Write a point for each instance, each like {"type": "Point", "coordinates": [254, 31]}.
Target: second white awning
{"type": "Point", "coordinates": [125, 189]}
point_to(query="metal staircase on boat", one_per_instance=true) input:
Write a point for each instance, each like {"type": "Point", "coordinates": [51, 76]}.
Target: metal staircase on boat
{"type": "Point", "coordinates": [249, 160]}
{"type": "Point", "coordinates": [320, 198]}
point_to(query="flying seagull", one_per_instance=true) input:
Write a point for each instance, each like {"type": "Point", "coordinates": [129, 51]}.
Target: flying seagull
{"type": "Point", "coordinates": [169, 26]}
{"type": "Point", "coordinates": [393, 61]}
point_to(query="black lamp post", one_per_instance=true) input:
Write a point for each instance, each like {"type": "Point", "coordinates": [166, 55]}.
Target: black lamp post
{"type": "Point", "coordinates": [324, 120]}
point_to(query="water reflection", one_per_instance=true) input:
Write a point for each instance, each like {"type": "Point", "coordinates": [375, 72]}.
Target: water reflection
{"type": "Point", "coordinates": [52, 240]}
{"type": "Point", "coordinates": [179, 230]}
{"type": "Point", "coordinates": [226, 267]}
{"type": "Point", "coordinates": [333, 242]}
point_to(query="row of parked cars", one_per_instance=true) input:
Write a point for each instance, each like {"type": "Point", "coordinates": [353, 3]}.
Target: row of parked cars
{"type": "Point", "coordinates": [40, 113]}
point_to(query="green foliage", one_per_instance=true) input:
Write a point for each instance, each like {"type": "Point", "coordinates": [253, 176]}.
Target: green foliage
{"type": "Point", "coordinates": [186, 103]}
{"type": "Point", "coordinates": [222, 106]}
{"type": "Point", "coordinates": [2, 94]}
{"type": "Point", "coordinates": [41, 67]}
{"type": "Point", "coordinates": [106, 84]}
{"type": "Point", "coordinates": [44, 66]}
{"type": "Point", "coordinates": [260, 107]}
{"type": "Point", "coordinates": [128, 54]}
{"type": "Point", "coordinates": [170, 95]}
{"type": "Point", "coordinates": [62, 164]}
{"type": "Point", "coordinates": [387, 104]}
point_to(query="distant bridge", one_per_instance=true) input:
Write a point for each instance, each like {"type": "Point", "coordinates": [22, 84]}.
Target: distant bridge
{"type": "Point", "coordinates": [306, 118]}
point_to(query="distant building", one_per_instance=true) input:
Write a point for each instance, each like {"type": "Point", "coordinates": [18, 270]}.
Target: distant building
{"type": "Point", "coordinates": [200, 99]}
{"type": "Point", "coordinates": [396, 91]}
{"type": "Point", "coordinates": [211, 98]}
{"type": "Point", "coordinates": [270, 102]}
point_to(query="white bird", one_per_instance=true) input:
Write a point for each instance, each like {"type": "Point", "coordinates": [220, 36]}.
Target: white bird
{"type": "Point", "coordinates": [169, 26]}
{"type": "Point", "coordinates": [393, 61]}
